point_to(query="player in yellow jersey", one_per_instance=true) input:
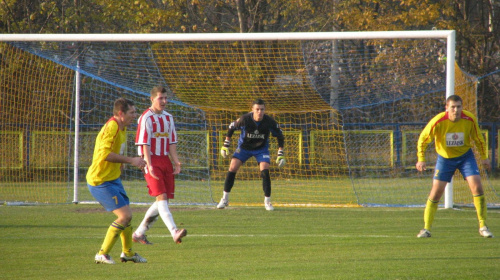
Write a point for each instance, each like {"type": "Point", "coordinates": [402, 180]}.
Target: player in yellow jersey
{"type": "Point", "coordinates": [452, 132]}
{"type": "Point", "coordinates": [103, 181]}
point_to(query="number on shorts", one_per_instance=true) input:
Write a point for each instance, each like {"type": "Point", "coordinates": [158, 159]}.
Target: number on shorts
{"type": "Point", "coordinates": [436, 173]}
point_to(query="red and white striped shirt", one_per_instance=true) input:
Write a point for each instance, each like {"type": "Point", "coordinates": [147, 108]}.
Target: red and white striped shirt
{"type": "Point", "coordinates": [156, 131]}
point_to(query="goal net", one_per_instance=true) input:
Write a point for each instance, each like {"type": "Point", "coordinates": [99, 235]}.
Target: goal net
{"type": "Point", "coordinates": [351, 111]}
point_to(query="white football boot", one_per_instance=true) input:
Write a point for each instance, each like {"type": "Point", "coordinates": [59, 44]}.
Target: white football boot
{"type": "Point", "coordinates": [424, 233]}
{"type": "Point", "coordinates": [179, 234]}
{"type": "Point", "coordinates": [222, 204]}
{"type": "Point", "coordinates": [485, 232]}
{"type": "Point", "coordinates": [268, 204]}
{"type": "Point", "coordinates": [104, 259]}
{"type": "Point", "coordinates": [135, 258]}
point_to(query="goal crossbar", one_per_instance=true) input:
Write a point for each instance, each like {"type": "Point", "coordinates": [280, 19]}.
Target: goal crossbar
{"type": "Point", "coordinates": [154, 37]}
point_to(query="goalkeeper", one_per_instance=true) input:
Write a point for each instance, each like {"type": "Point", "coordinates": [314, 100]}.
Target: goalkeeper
{"type": "Point", "coordinates": [452, 132]}
{"type": "Point", "coordinates": [253, 142]}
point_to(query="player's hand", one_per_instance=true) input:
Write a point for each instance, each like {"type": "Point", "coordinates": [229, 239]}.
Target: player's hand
{"type": "Point", "coordinates": [138, 162]}
{"type": "Point", "coordinates": [280, 160]}
{"type": "Point", "coordinates": [177, 168]}
{"type": "Point", "coordinates": [486, 164]}
{"type": "Point", "coordinates": [224, 151]}
{"type": "Point", "coordinates": [421, 166]}
{"type": "Point", "coordinates": [151, 173]}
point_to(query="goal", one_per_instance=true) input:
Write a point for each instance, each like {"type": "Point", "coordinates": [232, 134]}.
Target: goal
{"type": "Point", "coordinates": [351, 105]}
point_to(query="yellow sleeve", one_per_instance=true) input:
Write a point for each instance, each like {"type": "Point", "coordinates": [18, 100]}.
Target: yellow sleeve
{"type": "Point", "coordinates": [427, 136]}
{"type": "Point", "coordinates": [478, 137]}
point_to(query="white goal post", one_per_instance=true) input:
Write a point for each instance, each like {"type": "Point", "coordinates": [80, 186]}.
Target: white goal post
{"type": "Point", "coordinates": [448, 35]}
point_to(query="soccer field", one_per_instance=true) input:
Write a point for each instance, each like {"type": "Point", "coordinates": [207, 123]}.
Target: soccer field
{"type": "Point", "coordinates": [60, 241]}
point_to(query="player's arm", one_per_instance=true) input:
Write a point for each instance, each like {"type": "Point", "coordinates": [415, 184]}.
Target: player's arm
{"type": "Point", "coordinates": [143, 142]}
{"type": "Point", "coordinates": [173, 156]}
{"type": "Point", "coordinates": [172, 144]}
{"type": "Point", "coordinates": [280, 159]}
{"type": "Point", "coordinates": [146, 151]}
{"type": "Point", "coordinates": [480, 144]}
{"type": "Point", "coordinates": [278, 133]}
{"type": "Point", "coordinates": [424, 140]}
{"type": "Point", "coordinates": [224, 150]}
{"type": "Point", "coordinates": [106, 143]}
{"type": "Point", "coordinates": [135, 161]}
{"type": "Point", "coordinates": [486, 164]}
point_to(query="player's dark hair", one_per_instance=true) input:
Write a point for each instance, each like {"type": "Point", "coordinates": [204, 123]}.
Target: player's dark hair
{"type": "Point", "coordinates": [159, 89]}
{"type": "Point", "coordinates": [122, 104]}
{"type": "Point", "coordinates": [454, 98]}
{"type": "Point", "coordinates": [258, 102]}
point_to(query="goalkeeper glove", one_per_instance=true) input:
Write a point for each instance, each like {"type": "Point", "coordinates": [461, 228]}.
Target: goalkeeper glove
{"type": "Point", "coordinates": [280, 160]}
{"type": "Point", "coordinates": [224, 151]}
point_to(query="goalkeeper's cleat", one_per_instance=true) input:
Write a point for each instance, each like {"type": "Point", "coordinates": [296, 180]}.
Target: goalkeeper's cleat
{"type": "Point", "coordinates": [485, 232]}
{"type": "Point", "coordinates": [104, 259]}
{"type": "Point", "coordinates": [222, 204]}
{"type": "Point", "coordinates": [136, 258]}
{"type": "Point", "coordinates": [424, 233]}
{"type": "Point", "coordinates": [179, 234]}
{"type": "Point", "coordinates": [269, 206]}
{"type": "Point", "coordinates": [141, 239]}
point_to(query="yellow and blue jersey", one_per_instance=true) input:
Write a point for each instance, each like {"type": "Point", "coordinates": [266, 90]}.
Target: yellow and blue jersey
{"type": "Point", "coordinates": [110, 139]}
{"type": "Point", "coordinates": [452, 139]}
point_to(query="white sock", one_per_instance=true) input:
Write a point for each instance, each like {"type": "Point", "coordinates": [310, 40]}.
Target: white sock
{"type": "Point", "coordinates": [225, 196]}
{"type": "Point", "coordinates": [166, 216]}
{"type": "Point", "coordinates": [149, 219]}
{"type": "Point", "coordinates": [267, 200]}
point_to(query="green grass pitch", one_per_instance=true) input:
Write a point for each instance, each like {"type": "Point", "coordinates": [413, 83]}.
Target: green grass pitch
{"type": "Point", "coordinates": [60, 241]}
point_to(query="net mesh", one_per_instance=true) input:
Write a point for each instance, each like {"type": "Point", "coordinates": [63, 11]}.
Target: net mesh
{"type": "Point", "coordinates": [351, 112]}
{"type": "Point", "coordinates": [465, 86]}
{"type": "Point", "coordinates": [36, 97]}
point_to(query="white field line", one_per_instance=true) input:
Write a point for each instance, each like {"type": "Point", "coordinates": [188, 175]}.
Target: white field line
{"type": "Point", "coordinates": [279, 236]}
{"type": "Point", "coordinates": [152, 236]}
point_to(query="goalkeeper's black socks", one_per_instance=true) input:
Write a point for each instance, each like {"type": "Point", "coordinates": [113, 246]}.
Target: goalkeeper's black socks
{"type": "Point", "coordinates": [228, 184]}
{"type": "Point", "coordinates": [266, 182]}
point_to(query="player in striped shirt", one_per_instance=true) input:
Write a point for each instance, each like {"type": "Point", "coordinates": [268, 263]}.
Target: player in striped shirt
{"type": "Point", "coordinates": [103, 181]}
{"type": "Point", "coordinates": [452, 132]}
{"type": "Point", "coordinates": [253, 142]}
{"type": "Point", "coordinates": [156, 140]}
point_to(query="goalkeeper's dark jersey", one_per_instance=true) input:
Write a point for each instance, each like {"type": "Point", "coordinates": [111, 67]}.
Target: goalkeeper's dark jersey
{"type": "Point", "coordinates": [255, 135]}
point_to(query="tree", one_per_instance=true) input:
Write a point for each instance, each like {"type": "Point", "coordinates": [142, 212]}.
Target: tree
{"type": "Point", "coordinates": [478, 33]}
{"type": "Point", "coordinates": [477, 23]}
